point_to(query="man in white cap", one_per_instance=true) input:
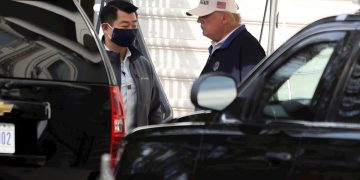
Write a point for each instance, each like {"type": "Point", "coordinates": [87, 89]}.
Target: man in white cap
{"type": "Point", "coordinates": [234, 50]}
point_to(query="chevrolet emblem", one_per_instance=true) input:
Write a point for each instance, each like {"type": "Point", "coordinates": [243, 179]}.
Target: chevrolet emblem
{"type": "Point", "coordinates": [5, 108]}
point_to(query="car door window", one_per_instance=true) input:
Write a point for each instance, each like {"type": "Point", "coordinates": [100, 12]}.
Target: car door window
{"type": "Point", "coordinates": [303, 82]}
{"type": "Point", "coordinates": [295, 82]}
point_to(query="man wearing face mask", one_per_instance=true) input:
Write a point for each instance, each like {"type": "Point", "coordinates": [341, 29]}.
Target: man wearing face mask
{"type": "Point", "coordinates": [134, 72]}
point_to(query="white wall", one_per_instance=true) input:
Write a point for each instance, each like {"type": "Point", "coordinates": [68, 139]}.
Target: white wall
{"type": "Point", "coordinates": [179, 51]}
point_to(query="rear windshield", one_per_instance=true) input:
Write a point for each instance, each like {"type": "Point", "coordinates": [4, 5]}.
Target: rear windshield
{"type": "Point", "coordinates": [47, 40]}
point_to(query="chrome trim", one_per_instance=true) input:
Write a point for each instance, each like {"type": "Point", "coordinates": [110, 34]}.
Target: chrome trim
{"type": "Point", "coordinates": [341, 17]}
{"type": "Point", "coordinates": [168, 125]}
{"type": "Point", "coordinates": [319, 124]}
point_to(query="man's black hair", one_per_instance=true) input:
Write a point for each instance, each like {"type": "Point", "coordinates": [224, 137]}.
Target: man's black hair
{"type": "Point", "coordinates": [108, 14]}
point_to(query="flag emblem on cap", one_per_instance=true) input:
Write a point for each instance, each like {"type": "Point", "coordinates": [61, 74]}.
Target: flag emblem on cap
{"type": "Point", "coordinates": [221, 5]}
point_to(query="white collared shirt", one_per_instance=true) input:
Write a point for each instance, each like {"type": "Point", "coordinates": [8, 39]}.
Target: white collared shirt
{"type": "Point", "coordinates": [128, 91]}
{"type": "Point", "coordinates": [217, 45]}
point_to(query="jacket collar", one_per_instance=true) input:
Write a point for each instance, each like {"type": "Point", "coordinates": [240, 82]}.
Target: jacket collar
{"type": "Point", "coordinates": [232, 36]}
{"type": "Point", "coordinates": [114, 56]}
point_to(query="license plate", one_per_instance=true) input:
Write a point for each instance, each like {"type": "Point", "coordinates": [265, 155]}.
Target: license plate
{"type": "Point", "coordinates": [7, 138]}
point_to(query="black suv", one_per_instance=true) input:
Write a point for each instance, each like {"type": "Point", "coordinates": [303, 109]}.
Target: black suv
{"type": "Point", "coordinates": [60, 106]}
{"type": "Point", "coordinates": [296, 116]}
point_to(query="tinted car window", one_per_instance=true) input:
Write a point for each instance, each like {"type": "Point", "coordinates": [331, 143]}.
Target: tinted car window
{"type": "Point", "coordinates": [298, 79]}
{"type": "Point", "coordinates": [39, 44]}
{"type": "Point", "coordinates": [305, 70]}
{"type": "Point", "coordinates": [289, 87]}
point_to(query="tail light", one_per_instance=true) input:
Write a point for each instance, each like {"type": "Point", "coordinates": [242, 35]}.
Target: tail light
{"type": "Point", "coordinates": [117, 123]}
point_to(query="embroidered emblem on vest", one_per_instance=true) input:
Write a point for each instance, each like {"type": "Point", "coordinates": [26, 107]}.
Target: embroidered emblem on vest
{"type": "Point", "coordinates": [216, 66]}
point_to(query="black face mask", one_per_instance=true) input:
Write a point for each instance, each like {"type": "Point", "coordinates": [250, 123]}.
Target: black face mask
{"type": "Point", "coordinates": [123, 37]}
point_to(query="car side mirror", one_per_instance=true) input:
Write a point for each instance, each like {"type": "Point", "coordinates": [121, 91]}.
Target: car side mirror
{"type": "Point", "coordinates": [214, 91]}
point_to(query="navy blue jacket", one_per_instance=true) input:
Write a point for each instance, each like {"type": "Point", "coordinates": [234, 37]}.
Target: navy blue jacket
{"type": "Point", "coordinates": [237, 56]}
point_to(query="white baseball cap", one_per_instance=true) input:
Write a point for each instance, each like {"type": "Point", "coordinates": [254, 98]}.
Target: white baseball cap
{"type": "Point", "coordinates": [209, 6]}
